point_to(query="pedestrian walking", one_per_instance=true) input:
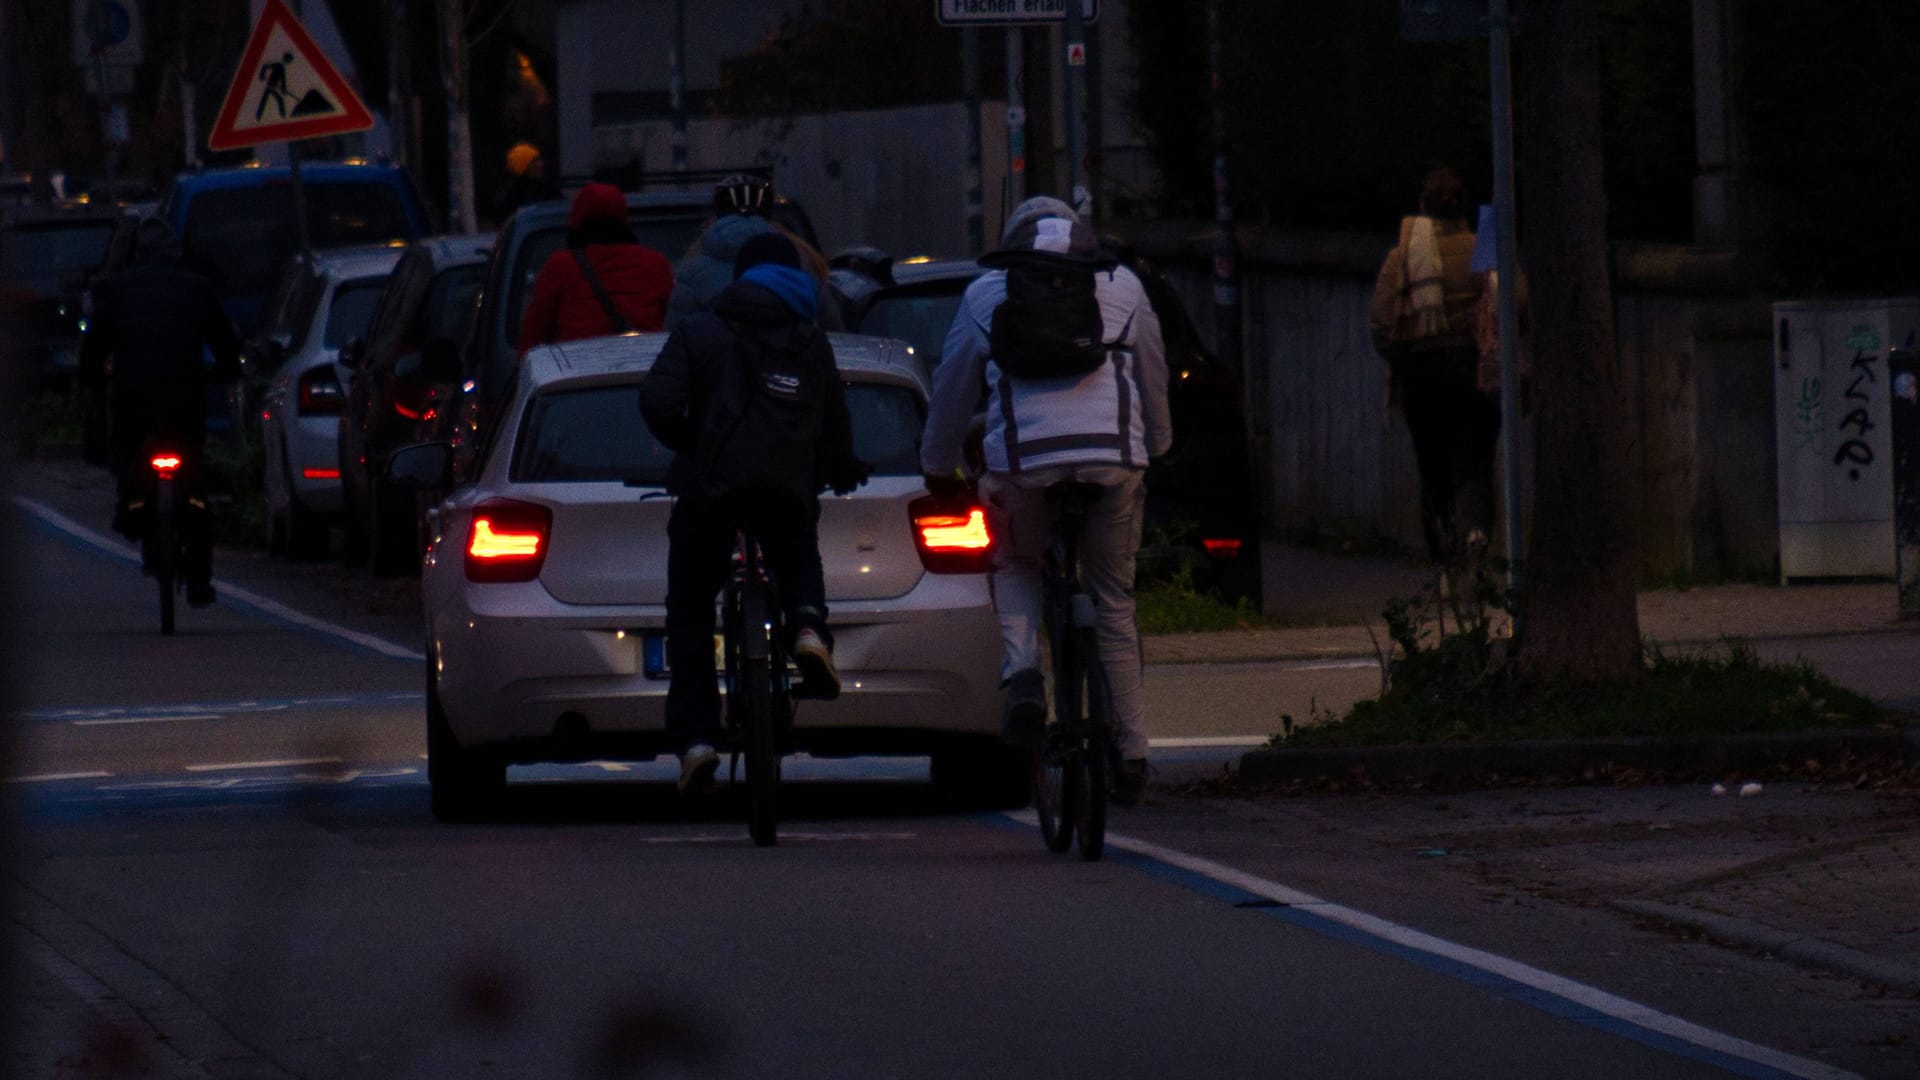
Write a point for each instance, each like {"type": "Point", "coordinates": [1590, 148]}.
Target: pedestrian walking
{"type": "Point", "coordinates": [1424, 303]}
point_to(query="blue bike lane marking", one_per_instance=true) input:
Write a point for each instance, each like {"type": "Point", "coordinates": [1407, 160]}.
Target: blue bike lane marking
{"type": "Point", "coordinates": [1553, 994]}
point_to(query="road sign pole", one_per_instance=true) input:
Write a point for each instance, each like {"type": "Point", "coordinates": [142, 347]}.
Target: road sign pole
{"type": "Point", "coordinates": [1076, 83]}
{"type": "Point", "coordinates": [299, 205]}
{"type": "Point", "coordinates": [1016, 121]}
{"type": "Point", "coordinates": [1507, 260]}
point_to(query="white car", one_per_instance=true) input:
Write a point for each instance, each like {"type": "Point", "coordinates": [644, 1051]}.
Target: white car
{"type": "Point", "coordinates": [314, 311]}
{"type": "Point", "coordinates": [559, 657]}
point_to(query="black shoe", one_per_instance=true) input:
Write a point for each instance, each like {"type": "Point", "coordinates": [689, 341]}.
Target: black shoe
{"type": "Point", "coordinates": [199, 596]}
{"type": "Point", "coordinates": [1130, 782]}
{"type": "Point", "coordinates": [1023, 712]}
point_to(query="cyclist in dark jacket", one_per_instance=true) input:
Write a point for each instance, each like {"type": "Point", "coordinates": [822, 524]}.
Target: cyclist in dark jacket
{"type": "Point", "coordinates": [750, 400]}
{"type": "Point", "coordinates": [149, 331]}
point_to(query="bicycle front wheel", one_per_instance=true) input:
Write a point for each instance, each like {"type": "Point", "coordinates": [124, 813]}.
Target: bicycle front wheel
{"type": "Point", "coordinates": [1095, 751]}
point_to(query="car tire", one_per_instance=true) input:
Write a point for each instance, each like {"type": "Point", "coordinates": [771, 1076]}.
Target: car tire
{"type": "Point", "coordinates": [465, 785]}
{"type": "Point", "coordinates": [307, 534]}
{"type": "Point", "coordinates": [984, 774]}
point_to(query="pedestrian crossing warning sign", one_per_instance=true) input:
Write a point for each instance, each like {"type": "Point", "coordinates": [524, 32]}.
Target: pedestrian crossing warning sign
{"type": "Point", "coordinates": [285, 88]}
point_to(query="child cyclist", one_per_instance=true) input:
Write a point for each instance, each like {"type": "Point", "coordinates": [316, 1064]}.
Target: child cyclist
{"type": "Point", "coordinates": [749, 399]}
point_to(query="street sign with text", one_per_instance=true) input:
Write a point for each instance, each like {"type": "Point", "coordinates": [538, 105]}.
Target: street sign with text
{"type": "Point", "coordinates": [1009, 12]}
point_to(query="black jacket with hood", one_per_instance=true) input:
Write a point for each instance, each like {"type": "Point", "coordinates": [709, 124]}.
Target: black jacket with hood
{"type": "Point", "coordinates": [749, 398]}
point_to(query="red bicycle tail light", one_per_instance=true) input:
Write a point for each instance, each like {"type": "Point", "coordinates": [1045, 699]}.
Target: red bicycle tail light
{"type": "Point", "coordinates": [508, 541]}
{"type": "Point", "coordinates": [1222, 547]}
{"type": "Point", "coordinates": [320, 394]}
{"type": "Point", "coordinates": [951, 536]}
{"type": "Point", "coordinates": [165, 464]}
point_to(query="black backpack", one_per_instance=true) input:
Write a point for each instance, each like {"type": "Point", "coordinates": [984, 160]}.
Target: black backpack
{"type": "Point", "coordinates": [1049, 326]}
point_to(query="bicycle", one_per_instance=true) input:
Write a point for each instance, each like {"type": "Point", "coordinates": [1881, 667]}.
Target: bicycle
{"type": "Point", "coordinates": [162, 547]}
{"type": "Point", "coordinates": [759, 691]}
{"type": "Point", "coordinates": [1071, 770]}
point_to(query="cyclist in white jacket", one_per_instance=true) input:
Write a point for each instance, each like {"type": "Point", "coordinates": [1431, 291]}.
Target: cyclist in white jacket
{"type": "Point", "coordinates": [1102, 428]}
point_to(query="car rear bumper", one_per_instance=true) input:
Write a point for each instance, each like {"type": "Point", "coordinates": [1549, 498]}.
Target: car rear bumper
{"type": "Point", "coordinates": [313, 462]}
{"type": "Point", "coordinates": [518, 669]}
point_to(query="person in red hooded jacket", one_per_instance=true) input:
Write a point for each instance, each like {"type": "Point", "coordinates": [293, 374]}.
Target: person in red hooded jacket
{"type": "Point", "coordinates": [604, 282]}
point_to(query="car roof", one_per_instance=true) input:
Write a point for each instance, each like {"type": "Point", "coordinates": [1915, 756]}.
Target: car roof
{"type": "Point", "coordinates": [554, 211]}
{"type": "Point", "coordinates": [310, 172]}
{"type": "Point", "coordinates": [456, 248]}
{"type": "Point", "coordinates": [918, 268]}
{"type": "Point", "coordinates": [875, 359]}
{"type": "Point", "coordinates": [359, 260]}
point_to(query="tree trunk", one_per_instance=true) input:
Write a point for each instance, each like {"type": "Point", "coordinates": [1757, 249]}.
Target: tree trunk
{"type": "Point", "coordinates": [1578, 618]}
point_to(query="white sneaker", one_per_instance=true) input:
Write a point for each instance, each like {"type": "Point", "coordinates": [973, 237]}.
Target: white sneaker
{"type": "Point", "coordinates": [818, 679]}
{"type": "Point", "coordinates": [697, 766]}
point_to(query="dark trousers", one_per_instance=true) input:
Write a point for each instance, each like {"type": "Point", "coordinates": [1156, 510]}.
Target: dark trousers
{"type": "Point", "coordinates": [135, 436]}
{"type": "Point", "coordinates": [1455, 428]}
{"type": "Point", "coordinates": [700, 541]}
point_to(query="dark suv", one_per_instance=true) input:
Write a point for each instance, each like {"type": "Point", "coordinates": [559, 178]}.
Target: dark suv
{"type": "Point", "coordinates": [405, 372]}
{"type": "Point", "coordinates": [1201, 513]}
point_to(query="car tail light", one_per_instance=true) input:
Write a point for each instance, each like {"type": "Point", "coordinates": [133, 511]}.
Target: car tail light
{"type": "Point", "coordinates": [951, 535]}
{"type": "Point", "coordinates": [320, 474]}
{"type": "Point", "coordinates": [411, 400]}
{"type": "Point", "coordinates": [508, 541]}
{"type": "Point", "coordinates": [320, 394]}
{"type": "Point", "coordinates": [1222, 547]}
{"type": "Point", "coordinates": [165, 463]}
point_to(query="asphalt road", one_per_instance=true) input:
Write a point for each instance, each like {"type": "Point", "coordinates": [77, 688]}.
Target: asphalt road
{"type": "Point", "coordinates": [223, 866]}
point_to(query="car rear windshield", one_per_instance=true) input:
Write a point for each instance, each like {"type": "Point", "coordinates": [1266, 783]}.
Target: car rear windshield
{"type": "Point", "coordinates": [919, 318]}
{"type": "Point", "coordinates": [596, 434]}
{"type": "Point", "coordinates": [67, 251]}
{"type": "Point", "coordinates": [670, 235]}
{"type": "Point", "coordinates": [243, 235]}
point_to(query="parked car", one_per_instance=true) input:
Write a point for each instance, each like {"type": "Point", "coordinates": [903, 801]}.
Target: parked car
{"type": "Point", "coordinates": [556, 654]}
{"type": "Point", "coordinates": [1201, 517]}
{"type": "Point", "coordinates": [295, 364]}
{"type": "Point", "coordinates": [238, 224]}
{"type": "Point", "coordinates": [405, 370]}
{"type": "Point", "coordinates": [48, 260]}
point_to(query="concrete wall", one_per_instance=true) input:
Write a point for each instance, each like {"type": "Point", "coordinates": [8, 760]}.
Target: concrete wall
{"type": "Point", "coordinates": [894, 179]}
{"type": "Point", "coordinates": [1336, 458]}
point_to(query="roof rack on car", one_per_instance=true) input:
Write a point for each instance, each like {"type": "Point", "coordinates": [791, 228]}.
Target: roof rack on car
{"type": "Point", "coordinates": [637, 179]}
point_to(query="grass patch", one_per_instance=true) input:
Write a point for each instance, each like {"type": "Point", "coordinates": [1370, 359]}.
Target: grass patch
{"type": "Point", "coordinates": [1449, 682]}
{"type": "Point", "coordinates": [1174, 605]}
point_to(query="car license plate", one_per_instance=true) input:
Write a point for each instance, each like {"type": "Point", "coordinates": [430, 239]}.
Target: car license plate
{"type": "Point", "coordinates": [653, 656]}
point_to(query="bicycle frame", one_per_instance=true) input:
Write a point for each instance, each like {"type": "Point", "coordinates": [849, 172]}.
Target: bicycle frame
{"type": "Point", "coordinates": [1071, 771]}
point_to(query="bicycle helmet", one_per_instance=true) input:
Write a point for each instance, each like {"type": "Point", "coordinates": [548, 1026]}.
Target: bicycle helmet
{"type": "Point", "coordinates": [743, 193]}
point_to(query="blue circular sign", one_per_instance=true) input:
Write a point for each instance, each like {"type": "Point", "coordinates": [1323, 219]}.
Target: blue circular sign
{"type": "Point", "coordinates": [108, 23]}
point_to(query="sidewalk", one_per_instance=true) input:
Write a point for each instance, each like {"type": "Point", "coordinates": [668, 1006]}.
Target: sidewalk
{"type": "Point", "coordinates": [1841, 903]}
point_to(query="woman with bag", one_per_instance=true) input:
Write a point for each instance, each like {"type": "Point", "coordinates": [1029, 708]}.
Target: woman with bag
{"type": "Point", "coordinates": [1423, 325]}
{"type": "Point", "coordinates": [605, 281]}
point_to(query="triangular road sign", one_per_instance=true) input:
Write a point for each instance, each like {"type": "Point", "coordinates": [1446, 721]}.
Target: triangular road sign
{"type": "Point", "coordinates": [285, 88]}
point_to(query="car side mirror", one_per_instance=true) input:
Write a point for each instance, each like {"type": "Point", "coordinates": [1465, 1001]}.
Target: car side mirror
{"type": "Point", "coordinates": [353, 354]}
{"type": "Point", "coordinates": [440, 361]}
{"type": "Point", "coordinates": [421, 465]}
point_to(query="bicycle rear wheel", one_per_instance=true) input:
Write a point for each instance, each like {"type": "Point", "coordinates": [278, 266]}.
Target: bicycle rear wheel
{"type": "Point", "coordinates": [1095, 751]}
{"type": "Point", "coordinates": [163, 547]}
{"type": "Point", "coordinates": [760, 728]}
{"type": "Point", "coordinates": [1059, 780]}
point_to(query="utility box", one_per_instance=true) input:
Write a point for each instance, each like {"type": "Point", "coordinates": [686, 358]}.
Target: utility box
{"type": "Point", "coordinates": [1833, 433]}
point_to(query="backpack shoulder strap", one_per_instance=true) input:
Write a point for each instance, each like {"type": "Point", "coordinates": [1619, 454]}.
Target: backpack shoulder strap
{"type": "Point", "coordinates": [615, 320]}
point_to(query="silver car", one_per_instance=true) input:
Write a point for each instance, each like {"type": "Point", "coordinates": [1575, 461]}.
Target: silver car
{"type": "Point", "coordinates": [560, 657]}
{"type": "Point", "coordinates": [315, 310]}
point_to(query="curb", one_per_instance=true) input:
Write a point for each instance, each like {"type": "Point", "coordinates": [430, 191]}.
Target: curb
{"type": "Point", "coordinates": [1804, 951]}
{"type": "Point", "coordinates": [1702, 754]}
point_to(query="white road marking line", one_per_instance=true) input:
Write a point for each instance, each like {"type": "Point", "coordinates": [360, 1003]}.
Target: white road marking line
{"type": "Point", "coordinates": [41, 778]}
{"type": "Point", "coordinates": [1190, 742]}
{"type": "Point", "coordinates": [144, 720]}
{"type": "Point", "coordinates": [126, 553]}
{"type": "Point", "coordinates": [283, 763]}
{"type": "Point", "coordinates": [1406, 937]}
